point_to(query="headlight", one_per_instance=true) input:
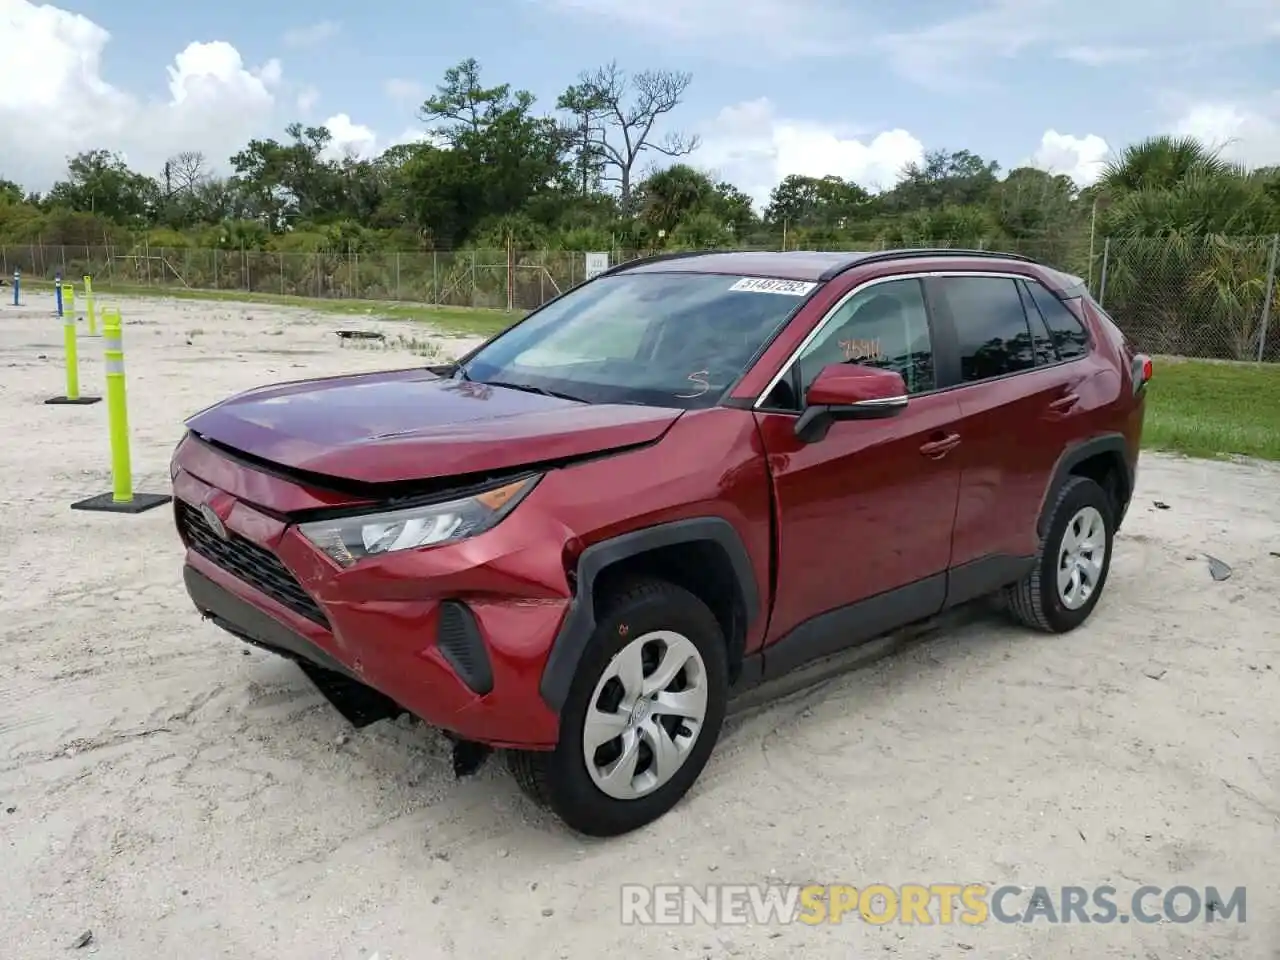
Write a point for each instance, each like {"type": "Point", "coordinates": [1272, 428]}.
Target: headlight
{"type": "Point", "coordinates": [173, 458]}
{"type": "Point", "coordinates": [348, 539]}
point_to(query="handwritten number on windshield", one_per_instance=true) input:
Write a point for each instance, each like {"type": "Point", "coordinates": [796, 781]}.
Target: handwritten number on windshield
{"type": "Point", "coordinates": [699, 379]}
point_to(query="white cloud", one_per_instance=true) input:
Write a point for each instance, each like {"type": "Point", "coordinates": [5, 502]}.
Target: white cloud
{"type": "Point", "coordinates": [312, 34]}
{"type": "Point", "coordinates": [405, 91]}
{"type": "Point", "coordinates": [308, 97]}
{"type": "Point", "coordinates": [1247, 134]}
{"type": "Point", "coordinates": [350, 139]}
{"type": "Point", "coordinates": [55, 95]}
{"type": "Point", "coordinates": [1080, 158]}
{"type": "Point", "coordinates": [416, 135]}
{"type": "Point", "coordinates": [1093, 55]}
{"type": "Point", "coordinates": [754, 148]}
{"type": "Point", "coordinates": [953, 50]}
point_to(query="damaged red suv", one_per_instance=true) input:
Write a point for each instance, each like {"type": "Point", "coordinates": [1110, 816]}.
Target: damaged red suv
{"type": "Point", "coordinates": [685, 476]}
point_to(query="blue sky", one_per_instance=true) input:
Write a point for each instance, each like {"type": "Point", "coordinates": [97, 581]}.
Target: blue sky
{"type": "Point", "coordinates": [820, 79]}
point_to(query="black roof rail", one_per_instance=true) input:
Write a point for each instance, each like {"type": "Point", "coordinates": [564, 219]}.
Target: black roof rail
{"type": "Point", "coordinates": [907, 253]}
{"type": "Point", "coordinates": [656, 258]}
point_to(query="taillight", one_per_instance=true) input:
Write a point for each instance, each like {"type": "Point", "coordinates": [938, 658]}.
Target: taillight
{"type": "Point", "coordinates": [1142, 371]}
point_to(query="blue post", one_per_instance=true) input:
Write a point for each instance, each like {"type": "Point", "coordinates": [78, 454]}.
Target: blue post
{"type": "Point", "coordinates": [17, 282]}
{"type": "Point", "coordinates": [57, 291]}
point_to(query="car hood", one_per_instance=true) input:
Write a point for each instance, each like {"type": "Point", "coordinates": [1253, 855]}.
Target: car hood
{"type": "Point", "coordinates": [406, 425]}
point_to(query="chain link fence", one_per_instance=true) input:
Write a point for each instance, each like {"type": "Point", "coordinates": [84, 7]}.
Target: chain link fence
{"type": "Point", "coordinates": [1211, 297]}
{"type": "Point", "coordinates": [1208, 297]}
{"type": "Point", "coordinates": [479, 278]}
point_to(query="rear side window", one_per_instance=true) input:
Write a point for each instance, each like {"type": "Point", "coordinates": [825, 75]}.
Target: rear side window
{"type": "Point", "coordinates": [1069, 336]}
{"type": "Point", "coordinates": [992, 333]}
{"type": "Point", "coordinates": [1041, 341]}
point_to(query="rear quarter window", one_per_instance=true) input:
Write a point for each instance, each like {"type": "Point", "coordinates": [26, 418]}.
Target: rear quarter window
{"type": "Point", "coordinates": [1110, 327]}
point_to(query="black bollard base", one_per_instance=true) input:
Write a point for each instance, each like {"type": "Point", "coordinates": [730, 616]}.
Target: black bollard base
{"type": "Point", "coordinates": [106, 503]}
{"type": "Point", "coordinates": [74, 401]}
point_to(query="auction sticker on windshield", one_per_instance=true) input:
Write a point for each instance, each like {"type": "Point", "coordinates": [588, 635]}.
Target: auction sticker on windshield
{"type": "Point", "coordinates": [789, 288]}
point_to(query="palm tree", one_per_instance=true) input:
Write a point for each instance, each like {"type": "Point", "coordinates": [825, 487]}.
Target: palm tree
{"type": "Point", "coordinates": [1187, 257]}
{"type": "Point", "coordinates": [1161, 163]}
{"type": "Point", "coordinates": [670, 195]}
{"type": "Point", "coordinates": [1188, 261]}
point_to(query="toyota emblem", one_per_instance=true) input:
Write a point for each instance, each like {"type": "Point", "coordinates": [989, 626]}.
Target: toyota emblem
{"type": "Point", "coordinates": [213, 520]}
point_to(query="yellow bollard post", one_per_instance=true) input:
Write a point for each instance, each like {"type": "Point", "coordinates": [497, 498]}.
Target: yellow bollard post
{"type": "Point", "coordinates": [72, 360]}
{"type": "Point", "coordinates": [117, 408]}
{"type": "Point", "coordinates": [122, 498]}
{"type": "Point", "coordinates": [88, 307]}
{"type": "Point", "coordinates": [69, 297]}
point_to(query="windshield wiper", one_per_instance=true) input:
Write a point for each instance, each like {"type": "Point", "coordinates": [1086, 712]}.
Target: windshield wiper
{"type": "Point", "coordinates": [530, 388]}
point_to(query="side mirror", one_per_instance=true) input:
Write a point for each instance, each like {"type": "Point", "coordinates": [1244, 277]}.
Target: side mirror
{"type": "Point", "coordinates": [844, 391]}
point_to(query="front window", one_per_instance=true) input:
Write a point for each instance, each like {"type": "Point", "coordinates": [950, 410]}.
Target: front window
{"type": "Point", "coordinates": [659, 339]}
{"type": "Point", "coordinates": [884, 325]}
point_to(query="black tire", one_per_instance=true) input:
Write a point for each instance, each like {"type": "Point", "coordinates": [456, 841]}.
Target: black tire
{"type": "Point", "coordinates": [558, 779]}
{"type": "Point", "coordinates": [1035, 601]}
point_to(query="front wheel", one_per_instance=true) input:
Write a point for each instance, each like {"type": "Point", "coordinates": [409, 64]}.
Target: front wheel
{"type": "Point", "coordinates": [642, 716]}
{"type": "Point", "coordinates": [1071, 568]}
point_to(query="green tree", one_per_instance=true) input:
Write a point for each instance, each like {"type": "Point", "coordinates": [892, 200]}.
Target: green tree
{"type": "Point", "coordinates": [701, 231]}
{"type": "Point", "coordinates": [735, 209]}
{"type": "Point", "coordinates": [497, 156]}
{"type": "Point", "coordinates": [290, 183]}
{"type": "Point", "coordinates": [99, 181]}
{"type": "Point", "coordinates": [800, 202]}
{"type": "Point", "coordinates": [945, 177]}
{"type": "Point", "coordinates": [1032, 203]}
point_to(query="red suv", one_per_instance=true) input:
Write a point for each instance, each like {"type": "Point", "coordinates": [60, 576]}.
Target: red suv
{"type": "Point", "coordinates": [682, 477]}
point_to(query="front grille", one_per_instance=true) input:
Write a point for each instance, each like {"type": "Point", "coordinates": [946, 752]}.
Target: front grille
{"type": "Point", "coordinates": [256, 566]}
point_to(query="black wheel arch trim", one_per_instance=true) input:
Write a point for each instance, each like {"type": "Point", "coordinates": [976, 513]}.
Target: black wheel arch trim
{"type": "Point", "coordinates": [579, 623]}
{"type": "Point", "coordinates": [1073, 456]}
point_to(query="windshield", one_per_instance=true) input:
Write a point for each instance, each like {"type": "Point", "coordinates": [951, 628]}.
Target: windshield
{"type": "Point", "coordinates": [660, 339]}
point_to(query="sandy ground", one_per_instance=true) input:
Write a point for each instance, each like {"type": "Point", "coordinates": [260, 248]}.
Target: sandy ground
{"type": "Point", "coordinates": [180, 796]}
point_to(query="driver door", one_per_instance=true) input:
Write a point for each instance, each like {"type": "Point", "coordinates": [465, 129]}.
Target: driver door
{"type": "Point", "coordinates": [865, 515]}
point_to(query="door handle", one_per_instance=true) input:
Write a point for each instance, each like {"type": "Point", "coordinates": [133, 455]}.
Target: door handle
{"type": "Point", "coordinates": [937, 449]}
{"type": "Point", "coordinates": [1064, 403]}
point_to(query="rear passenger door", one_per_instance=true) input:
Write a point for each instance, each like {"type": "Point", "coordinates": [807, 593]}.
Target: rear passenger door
{"type": "Point", "coordinates": [1018, 402]}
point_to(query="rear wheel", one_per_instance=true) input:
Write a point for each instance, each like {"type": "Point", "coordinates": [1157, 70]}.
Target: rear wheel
{"type": "Point", "coordinates": [1071, 568]}
{"type": "Point", "coordinates": [642, 716]}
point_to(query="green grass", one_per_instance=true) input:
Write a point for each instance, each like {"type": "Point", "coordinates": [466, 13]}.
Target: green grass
{"type": "Point", "coordinates": [1204, 408]}
{"type": "Point", "coordinates": [465, 321]}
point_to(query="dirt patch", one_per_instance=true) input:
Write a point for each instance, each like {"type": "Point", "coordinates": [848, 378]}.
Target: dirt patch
{"type": "Point", "coordinates": [291, 353]}
{"type": "Point", "coordinates": [181, 795]}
